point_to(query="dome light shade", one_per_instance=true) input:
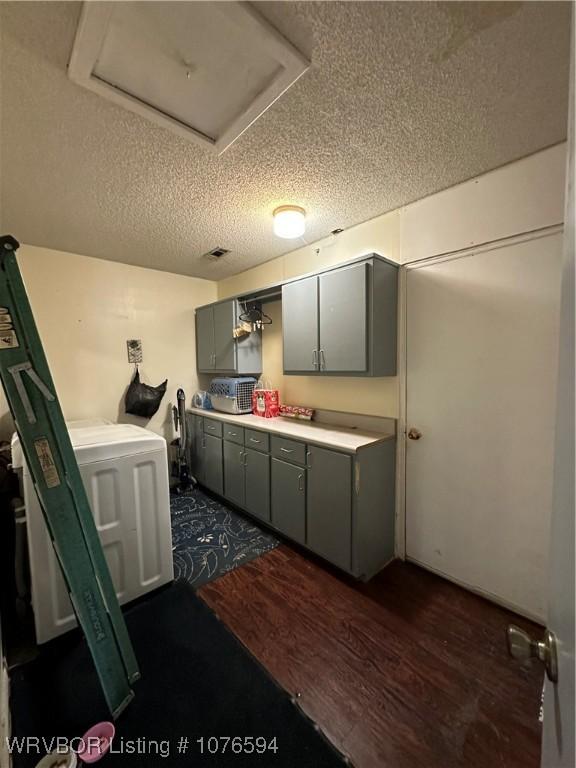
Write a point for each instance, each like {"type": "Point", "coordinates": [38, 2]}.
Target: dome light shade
{"type": "Point", "coordinates": [289, 221]}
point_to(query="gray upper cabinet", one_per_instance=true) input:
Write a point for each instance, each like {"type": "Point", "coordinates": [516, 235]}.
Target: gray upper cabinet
{"type": "Point", "coordinates": [342, 322]}
{"type": "Point", "coordinates": [224, 342]}
{"type": "Point", "coordinates": [300, 325]}
{"type": "Point", "coordinates": [205, 339]}
{"type": "Point", "coordinates": [217, 351]}
{"type": "Point", "coordinates": [329, 505]}
{"type": "Point", "coordinates": [343, 298]}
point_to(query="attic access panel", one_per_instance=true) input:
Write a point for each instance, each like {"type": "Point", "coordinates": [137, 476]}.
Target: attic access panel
{"type": "Point", "coordinates": [206, 70]}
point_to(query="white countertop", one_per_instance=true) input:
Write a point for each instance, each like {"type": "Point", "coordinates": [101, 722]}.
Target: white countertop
{"type": "Point", "coordinates": [341, 438]}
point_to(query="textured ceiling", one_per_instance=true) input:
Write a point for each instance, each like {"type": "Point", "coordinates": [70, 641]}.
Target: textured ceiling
{"type": "Point", "coordinates": [401, 100]}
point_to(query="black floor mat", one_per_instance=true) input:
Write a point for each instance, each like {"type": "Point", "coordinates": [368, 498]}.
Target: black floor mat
{"type": "Point", "coordinates": [209, 539]}
{"type": "Point", "coordinates": [197, 682]}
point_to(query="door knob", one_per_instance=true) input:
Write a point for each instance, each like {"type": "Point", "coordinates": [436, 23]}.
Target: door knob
{"type": "Point", "coordinates": [414, 434]}
{"type": "Point", "coordinates": [523, 647]}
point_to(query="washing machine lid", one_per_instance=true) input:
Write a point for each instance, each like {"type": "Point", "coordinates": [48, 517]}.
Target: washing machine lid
{"type": "Point", "coordinates": [98, 440]}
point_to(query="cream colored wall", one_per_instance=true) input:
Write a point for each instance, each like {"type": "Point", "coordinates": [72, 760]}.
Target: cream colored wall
{"type": "Point", "coordinates": [375, 397]}
{"type": "Point", "coordinates": [519, 197]}
{"type": "Point", "coordinates": [86, 309]}
{"type": "Point", "coordinates": [380, 235]}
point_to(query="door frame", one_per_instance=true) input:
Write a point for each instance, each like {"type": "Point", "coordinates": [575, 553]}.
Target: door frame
{"type": "Point", "coordinates": [401, 444]}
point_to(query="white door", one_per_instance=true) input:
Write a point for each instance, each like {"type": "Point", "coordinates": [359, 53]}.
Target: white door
{"type": "Point", "coordinates": [482, 346]}
{"type": "Point", "coordinates": [558, 749]}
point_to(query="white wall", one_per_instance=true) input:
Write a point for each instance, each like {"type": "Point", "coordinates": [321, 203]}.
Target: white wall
{"type": "Point", "coordinates": [86, 309]}
{"type": "Point", "coordinates": [517, 198]}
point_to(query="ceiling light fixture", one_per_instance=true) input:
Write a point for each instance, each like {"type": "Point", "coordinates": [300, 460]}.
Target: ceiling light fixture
{"type": "Point", "coordinates": [289, 221]}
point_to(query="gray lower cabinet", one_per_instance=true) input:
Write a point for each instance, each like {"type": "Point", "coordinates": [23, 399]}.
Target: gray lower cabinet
{"type": "Point", "coordinates": [247, 479]}
{"type": "Point", "coordinates": [329, 505]}
{"type": "Point", "coordinates": [212, 464]}
{"type": "Point", "coordinates": [196, 447]}
{"type": "Point", "coordinates": [289, 500]}
{"type": "Point", "coordinates": [234, 485]}
{"type": "Point", "coordinates": [257, 483]}
{"type": "Point", "coordinates": [339, 505]}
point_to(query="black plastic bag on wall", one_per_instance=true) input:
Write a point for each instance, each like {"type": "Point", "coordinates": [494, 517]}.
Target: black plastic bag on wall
{"type": "Point", "coordinates": [142, 399]}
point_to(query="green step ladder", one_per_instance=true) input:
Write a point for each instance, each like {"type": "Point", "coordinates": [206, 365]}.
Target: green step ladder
{"type": "Point", "coordinates": [50, 457]}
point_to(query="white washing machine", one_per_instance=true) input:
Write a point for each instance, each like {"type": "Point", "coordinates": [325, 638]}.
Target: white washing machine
{"type": "Point", "coordinates": [125, 473]}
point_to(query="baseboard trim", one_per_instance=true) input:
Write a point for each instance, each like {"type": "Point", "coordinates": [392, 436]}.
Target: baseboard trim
{"type": "Point", "coordinates": [502, 602]}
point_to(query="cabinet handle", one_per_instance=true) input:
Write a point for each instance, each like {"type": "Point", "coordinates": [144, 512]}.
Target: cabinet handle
{"type": "Point", "coordinates": [242, 458]}
{"type": "Point", "coordinates": [253, 440]}
{"type": "Point", "coordinates": [233, 434]}
{"type": "Point", "coordinates": [308, 460]}
{"type": "Point", "coordinates": [211, 428]}
{"type": "Point", "coordinates": [322, 360]}
{"type": "Point", "coordinates": [287, 450]}
{"type": "Point", "coordinates": [300, 482]}
{"type": "Point", "coordinates": [315, 358]}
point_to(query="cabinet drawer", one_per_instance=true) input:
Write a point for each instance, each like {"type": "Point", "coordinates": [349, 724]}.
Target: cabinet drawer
{"type": "Point", "coordinates": [212, 427]}
{"type": "Point", "coordinates": [234, 434]}
{"type": "Point", "coordinates": [288, 450]}
{"type": "Point", "coordinates": [260, 441]}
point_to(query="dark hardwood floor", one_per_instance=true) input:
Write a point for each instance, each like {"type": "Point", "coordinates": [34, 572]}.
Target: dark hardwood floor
{"type": "Point", "coordinates": [408, 670]}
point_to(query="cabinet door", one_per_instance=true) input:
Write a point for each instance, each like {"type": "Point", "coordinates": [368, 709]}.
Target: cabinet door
{"type": "Point", "coordinates": [344, 320]}
{"type": "Point", "coordinates": [300, 325]}
{"type": "Point", "coordinates": [289, 499]}
{"type": "Point", "coordinates": [205, 339]}
{"type": "Point", "coordinates": [257, 484]}
{"type": "Point", "coordinates": [329, 505]}
{"type": "Point", "coordinates": [224, 343]}
{"type": "Point", "coordinates": [212, 464]}
{"type": "Point", "coordinates": [234, 472]}
{"type": "Point", "coordinates": [196, 447]}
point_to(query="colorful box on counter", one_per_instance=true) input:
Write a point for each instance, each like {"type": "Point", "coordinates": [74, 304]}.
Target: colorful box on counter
{"type": "Point", "coordinates": [296, 412]}
{"type": "Point", "coordinates": [265, 403]}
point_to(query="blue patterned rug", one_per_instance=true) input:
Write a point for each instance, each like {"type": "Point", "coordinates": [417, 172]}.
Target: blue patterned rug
{"type": "Point", "coordinates": [209, 539]}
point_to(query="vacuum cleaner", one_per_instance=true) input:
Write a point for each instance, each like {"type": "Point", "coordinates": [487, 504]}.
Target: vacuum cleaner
{"type": "Point", "coordinates": [180, 468]}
